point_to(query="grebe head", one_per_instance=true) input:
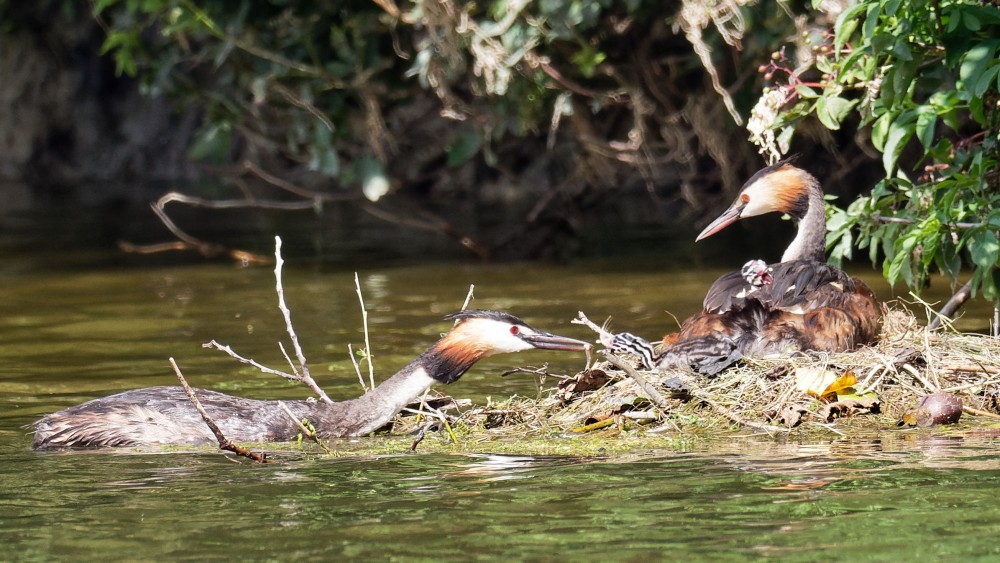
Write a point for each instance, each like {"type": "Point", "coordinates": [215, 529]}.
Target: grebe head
{"type": "Point", "coordinates": [484, 333]}
{"type": "Point", "coordinates": [478, 334]}
{"type": "Point", "coordinates": [780, 187]}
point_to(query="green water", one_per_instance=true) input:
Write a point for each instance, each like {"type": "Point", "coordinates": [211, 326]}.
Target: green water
{"type": "Point", "coordinates": [72, 333]}
{"type": "Point", "coordinates": [917, 499]}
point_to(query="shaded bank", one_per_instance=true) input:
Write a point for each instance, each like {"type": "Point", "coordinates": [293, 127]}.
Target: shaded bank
{"type": "Point", "coordinates": [73, 126]}
{"type": "Point", "coordinates": [647, 142]}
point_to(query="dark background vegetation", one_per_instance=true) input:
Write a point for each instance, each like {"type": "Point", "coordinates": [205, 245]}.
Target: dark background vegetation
{"type": "Point", "coordinates": [501, 129]}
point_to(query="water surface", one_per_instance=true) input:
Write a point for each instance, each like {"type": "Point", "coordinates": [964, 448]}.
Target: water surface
{"type": "Point", "coordinates": [71, 334]}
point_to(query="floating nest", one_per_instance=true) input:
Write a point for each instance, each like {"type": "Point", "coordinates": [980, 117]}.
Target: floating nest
{"type": "Point", "coordinates": [911, 376]}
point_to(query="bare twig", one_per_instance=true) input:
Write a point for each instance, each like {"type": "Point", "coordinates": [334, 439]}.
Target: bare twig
{"type": "Point", "coordinates": [443, 418]}
{"type": "Point", "coordinates": [429, 222]}
{"type": "Point", "coordinates": [469, 297]}
{"type": "Point", "coordinates": [357, 368]}
{"type": "Point", "coordinates": [224, 443]}
{"type": "Point", "coordinates": [654, 394]}
{"type": "Point", "coordinates": [738, 419]}
{"type": "Point", "coordinates": [249, 361]}
{"type": "Point", "coordinates": [594, 425]}
{"type": "Point", "coordinates": [307, 431]}
{"type": "Point", "coordinates": [364, 320]}
{"type": "Point", "coordinates": [953, 305]}
{"type": "Point", "coordinates": [978, 412]}
{"type": "Point", "coordinates": [314, 197]}
{"type": "Point", "coordinates": [288, 359]}
{"type": "Point", "coordinates": [298, 101]}
{"type": "Point", "coordinates": [189, 242]}
{"type": "Point", "coordinates": [542, 372]}
{"type": "Point", "coordinates": [581, 319]}
{"type": "Point", "coordinates": [304, 377]}
{"type": "Point", "coordinates": [916, 375]}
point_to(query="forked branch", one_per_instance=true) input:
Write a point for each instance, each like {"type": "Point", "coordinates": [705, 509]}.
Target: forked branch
{"type": "Point", "coordinates": [301, 374]}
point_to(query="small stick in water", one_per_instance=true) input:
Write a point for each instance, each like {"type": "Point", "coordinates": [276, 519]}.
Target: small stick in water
{"type": "Point", "coordinates": [224, 443]}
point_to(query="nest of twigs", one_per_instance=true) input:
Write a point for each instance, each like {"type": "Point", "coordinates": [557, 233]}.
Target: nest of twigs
{"type": "Point", "coordinates": [880, 383]}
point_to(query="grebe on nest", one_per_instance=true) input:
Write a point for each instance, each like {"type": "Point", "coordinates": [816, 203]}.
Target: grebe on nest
{"type": "Point", "coordinates": [800, 303]}
{"type": "Point", "coordinates": [165, 415]}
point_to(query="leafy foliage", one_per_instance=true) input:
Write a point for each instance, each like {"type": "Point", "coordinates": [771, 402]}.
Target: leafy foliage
{"type": "Point", "coordinates": [369, 99]}
{"type": "Point", "coordinates": [921, 78]}
{"type": "Point", "coordinates": [338, 90]}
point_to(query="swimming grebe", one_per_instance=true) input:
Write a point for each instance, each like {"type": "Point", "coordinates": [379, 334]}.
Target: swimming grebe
{"type": "Point", "coordinates": [800, 303]}
{"type": "Point", "coordinates": [165, 415]}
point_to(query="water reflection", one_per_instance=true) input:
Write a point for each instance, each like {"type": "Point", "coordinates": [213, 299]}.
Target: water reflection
{"type": "Point", "coordinates": [79, 335]}
{"type": "Point", "coordinates": [727, 501]}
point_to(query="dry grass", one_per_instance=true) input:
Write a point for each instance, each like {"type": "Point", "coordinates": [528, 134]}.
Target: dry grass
{"type": "Point", "coordinates": [908, 362]}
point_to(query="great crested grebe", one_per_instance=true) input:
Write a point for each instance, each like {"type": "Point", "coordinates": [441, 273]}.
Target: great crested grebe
{"type": "Point", "coordinates": [800, 303]}
{"type": "Point", "coordinates": [165, 415]}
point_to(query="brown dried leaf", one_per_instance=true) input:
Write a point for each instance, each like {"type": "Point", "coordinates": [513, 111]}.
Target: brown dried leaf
{"type": "Point", "coordinates": [849, 407]}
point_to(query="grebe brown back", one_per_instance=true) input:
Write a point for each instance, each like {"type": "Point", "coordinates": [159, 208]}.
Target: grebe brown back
{"type": "Point", "coordinates": [165, 415]}
{"type": "Point", "coordinates": [800, 303]}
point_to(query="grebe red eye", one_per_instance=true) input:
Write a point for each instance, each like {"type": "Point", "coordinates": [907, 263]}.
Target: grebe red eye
{"type": "Point", "coordinates": [745, 198]}
{"type": "Point", "coordinates": [514, 330]}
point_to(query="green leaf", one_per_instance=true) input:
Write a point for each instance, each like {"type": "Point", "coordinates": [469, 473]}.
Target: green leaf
{"type": "Point", "coordinates": [901, 50]}
{"type": "Point", "coordinates": [900, 132]}
{"type": "Point", "coordinates": [101, 5]}
{"type": "Point", "coordinates": [984, 249]}
{"type": "Point", "coordinates": [325, 161]}
{"type": "Point", "coordinates": [880, 130]}
{"type": "Point", "coordinates": [970, 20]}
{"type": "Point", "coordinates": [805, 91]}
{"type": "Point", "coordinates": [903, 73]}
{"type": "Point", "coordinates": [115, 39]}
{"type": "Point", "coordinates": [847, 22]}
{"type": "Point", "coordinates": [463, 148]}
{"type": "Point", "coordinates": [926, 120]}
{"type": "Point", "coordinates": [871, 21]}
{"type": "Point", "coordinates": [976, 60]}
{"type": "Point", "coordinates": [839, 107]}
{"type": "Point", "coordinates": [212, 144]}
{"type": "Point", "coordinates": [900, 266]}
{"type": "Point", "coordinates": [978, 110]}
{"type": "Point", "coordinates": [985, 81]}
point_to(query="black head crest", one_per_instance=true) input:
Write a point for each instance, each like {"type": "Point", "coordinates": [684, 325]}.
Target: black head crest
{"type": "Point", "coordinates": [484, 314]}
